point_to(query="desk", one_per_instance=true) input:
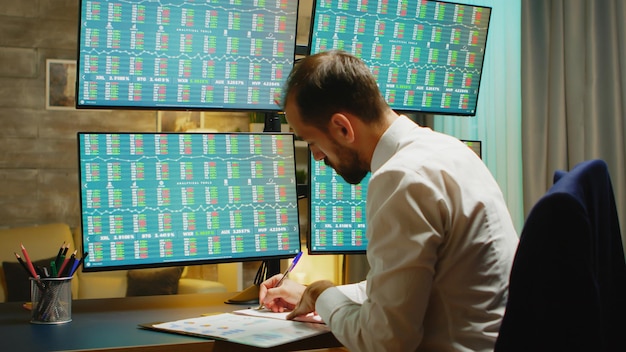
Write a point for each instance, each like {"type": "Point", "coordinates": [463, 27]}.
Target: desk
{"type": "Point", "coordinates": [111, 325]}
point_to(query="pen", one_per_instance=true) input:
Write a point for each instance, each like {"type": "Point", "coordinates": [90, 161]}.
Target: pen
{"type": "Point", "coordinates": [78, 263]}
{"type": "Point", "coordinates": [73, 268]}
{"type": "Point", "coordinates": [289, 269]}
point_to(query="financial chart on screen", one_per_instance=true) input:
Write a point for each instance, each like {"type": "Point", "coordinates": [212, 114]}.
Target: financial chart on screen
{"type": "Point", "coordinates": [153, 199]}
{"type": "Point", "coordinates": [427, 56]}
{"type": "Point", "coordinates": [337, 221]}
{"type": "Point", "coordinates": [184, 54]}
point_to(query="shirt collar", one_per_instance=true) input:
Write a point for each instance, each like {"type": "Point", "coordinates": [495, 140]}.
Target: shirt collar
{"type": "Point", "coordinates": [390, 141]}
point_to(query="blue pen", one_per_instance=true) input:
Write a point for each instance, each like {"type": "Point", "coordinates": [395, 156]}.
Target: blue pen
{"type": "Point", "coordinates": [78, 263]}
{"type": "Point", "coordinates": [289, 269]}
{"type": "Point", "coordinates": [73, 268]}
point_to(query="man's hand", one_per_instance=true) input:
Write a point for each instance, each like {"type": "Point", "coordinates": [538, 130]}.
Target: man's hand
{"type": "Point", "coordinates": [306, 304]}
{"type": "Point", "coordinates": [282, 298]}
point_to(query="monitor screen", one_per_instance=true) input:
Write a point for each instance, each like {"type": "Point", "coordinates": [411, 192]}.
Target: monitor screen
{"type": "Point", "coordinates": [476, 146]}
{"type": "Point", "coordinates": [184, 55]}
{"type": "Point", "coordinates": [166, 199]}
{"type": "Point", "coordinates": [427, 56]}
{"type": "Point", "coordinates": [336, 212]}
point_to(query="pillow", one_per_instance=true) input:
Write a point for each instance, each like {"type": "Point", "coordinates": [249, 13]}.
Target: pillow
{"type": "Point", "coordinates": [18, 281]}
{"type": "Point", "coordinates": [150, 282]}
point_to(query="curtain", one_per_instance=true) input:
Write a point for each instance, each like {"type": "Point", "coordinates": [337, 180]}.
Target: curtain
{"type": "Point", "coordinates": [573, 91]}
{"type": "Point", "coordinates": [499, 113]}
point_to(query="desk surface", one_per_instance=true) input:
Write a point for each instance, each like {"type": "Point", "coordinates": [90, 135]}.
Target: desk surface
{"type": "Point", "coordinates": [112, 325]}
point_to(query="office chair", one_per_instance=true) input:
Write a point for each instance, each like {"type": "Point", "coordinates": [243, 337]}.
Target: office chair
{"type": "Point", "coordinates": [567, 289]}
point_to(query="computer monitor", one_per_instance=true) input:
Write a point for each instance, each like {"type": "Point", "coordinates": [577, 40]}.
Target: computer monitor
{"type": "Point", "coordinates": [184, 55]}
{"type": "Point", "coordinates": [169, 199]}
{"type": "Point", "coordinates": [336, 212]}
{"type": "Point", "coordinates": [474, 145]}
{"type": "Point", "coordinates": [427, 56]}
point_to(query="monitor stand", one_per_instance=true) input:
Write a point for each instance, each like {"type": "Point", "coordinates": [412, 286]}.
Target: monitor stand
{"type": "Point", "coordinates": [250, 295]}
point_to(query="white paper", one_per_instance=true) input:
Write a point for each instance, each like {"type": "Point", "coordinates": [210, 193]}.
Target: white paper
{"type": "Point", "coordinates": [245, 329]}
{"type": "Point", "coordinates": [266, 313]}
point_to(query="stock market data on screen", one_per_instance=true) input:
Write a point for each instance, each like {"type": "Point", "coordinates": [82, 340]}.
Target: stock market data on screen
{"type": "Point", "coordinates": [337, 212]}
{"type": "Point", "coordinates": [427, 56]}
{"type": "Point", "coordinates": [154, 199]}
{"type": "Point", "coordinates": [184, 54]}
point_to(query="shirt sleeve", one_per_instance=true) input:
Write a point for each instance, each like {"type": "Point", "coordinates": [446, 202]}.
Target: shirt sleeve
{"type": "Point", "coordinates": [404, 232]}
{"type": "Point", "coordinates": [356, 292]}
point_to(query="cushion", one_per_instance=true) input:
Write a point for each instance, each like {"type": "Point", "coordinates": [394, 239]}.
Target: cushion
{"type": "Point", "coordinates": [18, 280]}
{"type": "Point", "coordinates": [150, 282]}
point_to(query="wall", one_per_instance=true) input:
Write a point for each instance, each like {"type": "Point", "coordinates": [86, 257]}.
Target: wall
{"type": "Point", "coordinates": [38, 165]}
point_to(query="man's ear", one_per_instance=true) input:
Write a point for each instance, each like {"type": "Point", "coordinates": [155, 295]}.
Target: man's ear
{"type": "Point", "coordinates": [341, 128]}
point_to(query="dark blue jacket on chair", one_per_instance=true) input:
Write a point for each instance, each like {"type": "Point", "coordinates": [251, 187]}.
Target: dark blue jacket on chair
{"type": "Point", "coordinates": [567, 289]}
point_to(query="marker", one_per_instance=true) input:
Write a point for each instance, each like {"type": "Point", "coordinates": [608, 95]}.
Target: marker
{"type": "Point", "coordinates": [53, 268]}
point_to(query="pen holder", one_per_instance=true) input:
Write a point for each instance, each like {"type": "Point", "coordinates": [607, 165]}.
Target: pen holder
{"type": "Point", "coordinates": [52, 300]}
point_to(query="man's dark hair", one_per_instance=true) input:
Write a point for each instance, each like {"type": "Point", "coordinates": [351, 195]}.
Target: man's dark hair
{"type": "Point", "coordinates": [334, 82]}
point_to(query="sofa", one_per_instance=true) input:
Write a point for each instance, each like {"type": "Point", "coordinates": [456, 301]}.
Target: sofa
{"type": "Point", "coordinates": [43, 242]}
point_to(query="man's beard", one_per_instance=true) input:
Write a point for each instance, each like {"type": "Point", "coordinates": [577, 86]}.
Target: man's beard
{"type": "Point", "coordinates": [350, 167]}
